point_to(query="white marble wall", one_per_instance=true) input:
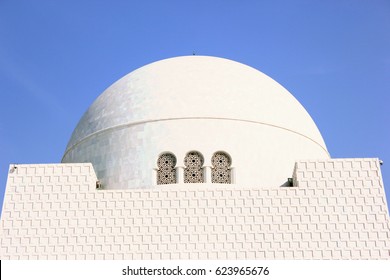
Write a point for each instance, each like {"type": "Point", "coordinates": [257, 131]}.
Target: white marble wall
{"type": "Point", "coordinates": [337, 210]}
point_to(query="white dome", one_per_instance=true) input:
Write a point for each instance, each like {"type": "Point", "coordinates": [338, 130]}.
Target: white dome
{"type": "Point", "coordinates": [195, 103]}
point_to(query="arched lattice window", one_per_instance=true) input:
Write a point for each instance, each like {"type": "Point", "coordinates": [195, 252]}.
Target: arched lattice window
{"type": "Point", "coordinates": [166, 173]}
{"type": "Point", "coordinates": [221, 172]}
{"type": "Point", "coordinates": [193, 172]}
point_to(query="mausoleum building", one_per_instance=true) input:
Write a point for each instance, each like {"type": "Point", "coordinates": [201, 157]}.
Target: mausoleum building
{"type": "Point", "coordinates": [196, 157]}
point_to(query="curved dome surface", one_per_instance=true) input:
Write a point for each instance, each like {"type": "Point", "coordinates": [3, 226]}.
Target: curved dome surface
{"type": "Point", "coordinates": [200, 103]}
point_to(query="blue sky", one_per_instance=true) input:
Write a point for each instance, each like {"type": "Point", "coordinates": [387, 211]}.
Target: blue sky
{"type": "Point", "coordinates": [56, 57]}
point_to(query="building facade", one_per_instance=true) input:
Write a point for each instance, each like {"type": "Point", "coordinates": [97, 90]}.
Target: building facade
{"type": "Point", "coordinates": [196, 158]}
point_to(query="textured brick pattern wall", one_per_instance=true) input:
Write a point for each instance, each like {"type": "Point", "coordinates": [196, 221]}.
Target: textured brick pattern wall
{"type": "Point", "coordinates": [337, 211]}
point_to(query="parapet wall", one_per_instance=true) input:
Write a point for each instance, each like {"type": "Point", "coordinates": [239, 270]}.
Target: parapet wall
{"type": "Point", "coordinates": [336, 210]}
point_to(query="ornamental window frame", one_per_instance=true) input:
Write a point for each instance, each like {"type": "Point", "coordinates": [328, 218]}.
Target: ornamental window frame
{"type": "Point", "coordinates": [194, 170]}
{"type": "Point", "coordinates": [221, 171]}
{"type": "Point", "coordinates": [166, 171]}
